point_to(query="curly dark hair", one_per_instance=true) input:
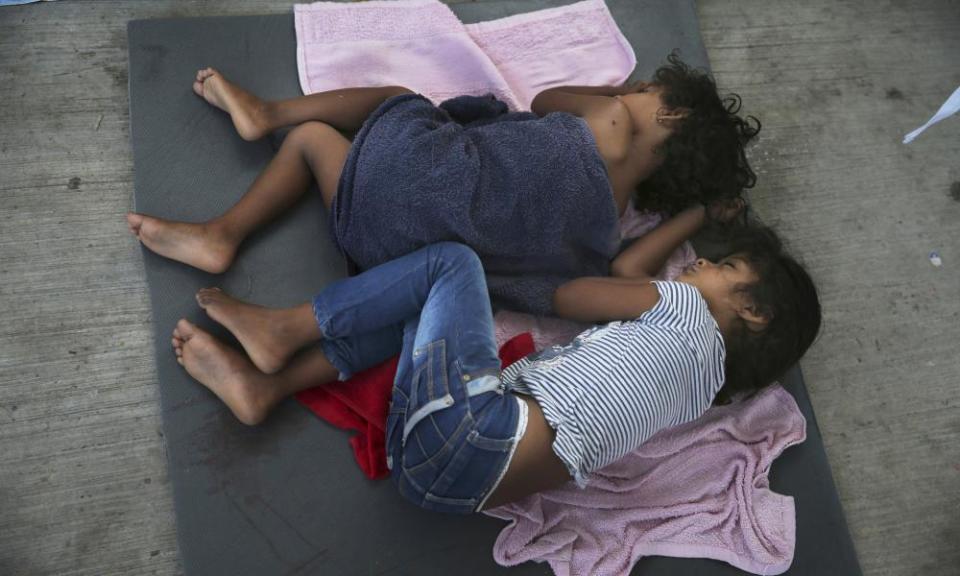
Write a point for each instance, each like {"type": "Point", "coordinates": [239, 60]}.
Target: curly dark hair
{"type": "Point", "coordinates": [784, 293]}
{"type": "Point", "coordinates": [704, 159]}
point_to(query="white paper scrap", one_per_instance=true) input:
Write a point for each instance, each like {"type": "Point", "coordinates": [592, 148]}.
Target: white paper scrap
{"type": "Point", "coordinates": [18, 2]}
{"type": "Point", "coordinates": [948, 109]}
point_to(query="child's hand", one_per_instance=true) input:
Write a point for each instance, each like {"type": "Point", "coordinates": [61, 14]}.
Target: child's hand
{"type": "Point", "coordinates": [725, 210]}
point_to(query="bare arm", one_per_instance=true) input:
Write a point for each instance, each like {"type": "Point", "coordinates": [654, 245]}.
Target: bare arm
{"type": "Point", "coordinates": [628, 293]}
{"type": "Point", "coordinates": [542, 103]}
{"type": "Point", "coordinates": [599, 299]}
{"type": "Point", "coordinates": [608, 91]}
{"type": "Point", "coordinates": [647, 255]}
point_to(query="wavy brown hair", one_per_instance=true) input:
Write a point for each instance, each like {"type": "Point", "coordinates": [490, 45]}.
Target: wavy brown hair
{"type": "Point", "coordinates": [786, 294]}
{"type": "Point", "coordinates": [704, 159]}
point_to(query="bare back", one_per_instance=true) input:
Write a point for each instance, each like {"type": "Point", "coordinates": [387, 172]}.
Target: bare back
{"type": "Point", "coordinates": [627, 142]}
{"type": "Point", "coordinates": [627, 127]}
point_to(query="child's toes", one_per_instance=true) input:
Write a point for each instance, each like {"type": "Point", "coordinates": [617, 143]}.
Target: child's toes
{"type": "Point", "coordinates": [185, 330]}
{"type": "Point", "coordinates": [206, 296]}
{"type": "Point", "coordinates": [134, 222]}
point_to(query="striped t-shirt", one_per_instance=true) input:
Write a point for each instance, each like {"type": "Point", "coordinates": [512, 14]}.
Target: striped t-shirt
{"type": "Point", "coordinates": [616, 385]}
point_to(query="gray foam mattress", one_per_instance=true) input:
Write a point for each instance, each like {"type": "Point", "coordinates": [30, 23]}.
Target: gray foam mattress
{"type": "Point", "coordinates": [286, 497]}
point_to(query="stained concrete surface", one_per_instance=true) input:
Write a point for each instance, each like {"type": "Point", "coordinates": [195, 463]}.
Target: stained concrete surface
{"type": "Point", "coordinates": [83, 486]}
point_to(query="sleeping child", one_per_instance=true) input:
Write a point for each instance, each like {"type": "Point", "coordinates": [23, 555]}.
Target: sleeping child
{"type": "Point", "coordinates": [461, 435]}
{"type": "Point", "coordinates": [536, 195]}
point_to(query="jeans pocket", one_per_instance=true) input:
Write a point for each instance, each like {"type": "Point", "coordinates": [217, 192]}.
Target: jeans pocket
{"type": "Point", "coordinates": [473, 468]}
{"type": "Point", "coordinates": [427, 452]}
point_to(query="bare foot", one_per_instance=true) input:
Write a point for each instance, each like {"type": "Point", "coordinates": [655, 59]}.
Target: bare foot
{"type": "Point", "coordinates": [202, 246]}
{"type": "Point", "coordinates": [246, 110]}
{"type": "Point", "coordinates": [264, 333]}
{"type": "Point", "coordinates": [224, 371]}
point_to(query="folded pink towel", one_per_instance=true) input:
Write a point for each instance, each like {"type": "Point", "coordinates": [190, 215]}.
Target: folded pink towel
{"type": "Point", "coordinates": [421, 44]}
{"type": "Point", "coordinates": [698, 491]}
{"type": "Point", "coordinates": [577, 44]}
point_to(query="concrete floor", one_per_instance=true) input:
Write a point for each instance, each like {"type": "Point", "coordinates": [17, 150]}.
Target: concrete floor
{"type": "Point", "coordinates": [83, 486]}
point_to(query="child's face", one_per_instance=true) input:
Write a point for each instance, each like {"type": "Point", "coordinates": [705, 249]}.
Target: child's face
{"type": "Point", "coordinates": [720, 283]}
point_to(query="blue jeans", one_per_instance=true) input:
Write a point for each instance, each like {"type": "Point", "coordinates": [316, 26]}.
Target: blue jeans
{"type": "Point", "coordinates": [451, 428]}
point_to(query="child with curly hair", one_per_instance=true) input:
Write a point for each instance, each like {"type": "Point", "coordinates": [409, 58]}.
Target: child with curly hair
{"type": "Point", "coordinates": [536, 195]}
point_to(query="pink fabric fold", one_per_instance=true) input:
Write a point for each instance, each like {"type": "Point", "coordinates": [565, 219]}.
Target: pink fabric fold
{"type": "Point", "coordinates": [421, 44]}
{"type": "Point", "coordinates": [577, 44]}
{"type": "Point", "coordinates": [700, 490]}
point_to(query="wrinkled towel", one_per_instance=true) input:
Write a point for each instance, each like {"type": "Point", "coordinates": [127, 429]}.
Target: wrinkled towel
{"type": "Point", "coordinates": [421, 44]}
{"type": "Point", "coordinates": [699, 490]}
{"type": "Point", "coordinates": [530, 195]}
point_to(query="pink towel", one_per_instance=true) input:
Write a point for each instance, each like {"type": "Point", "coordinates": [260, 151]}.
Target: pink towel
{"type": "Point", "coordinates": [421, 44]}
{"type": "Point", "coordinates": [699, 490]}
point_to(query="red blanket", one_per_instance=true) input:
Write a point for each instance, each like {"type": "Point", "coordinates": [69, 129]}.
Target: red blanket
{"type": "Point", "coordinates": [361, 404]}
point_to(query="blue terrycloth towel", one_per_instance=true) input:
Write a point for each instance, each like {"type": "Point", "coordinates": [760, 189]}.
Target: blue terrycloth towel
{"type": "Point", "coordinates": [530, 195]}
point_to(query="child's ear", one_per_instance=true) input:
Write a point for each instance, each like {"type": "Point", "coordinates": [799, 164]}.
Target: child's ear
{"type": "Point", "coordinates": [756, 320]}
{"type": "Point", "coordinates": [670, 115]}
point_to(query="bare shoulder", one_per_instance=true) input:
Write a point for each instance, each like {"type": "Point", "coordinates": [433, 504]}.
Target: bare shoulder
{"type": "Point", "coordinates": [607, 117]}
{"type": "Point", "coordinates": [612, 130]}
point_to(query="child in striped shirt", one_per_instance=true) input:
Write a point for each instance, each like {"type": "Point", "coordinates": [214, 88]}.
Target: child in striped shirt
{"type": "Point", "coordinates": [461, 435]}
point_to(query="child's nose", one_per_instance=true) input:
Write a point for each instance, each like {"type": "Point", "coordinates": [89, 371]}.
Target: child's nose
{"type": "Point", "coordinates": [701, 262]}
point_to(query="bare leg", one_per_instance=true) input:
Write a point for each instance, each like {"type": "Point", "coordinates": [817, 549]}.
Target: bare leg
{"type": "Point", "coordinates": [310, 150]}
{"type": "Point", "coordinates": [344, 109]}
{"type": "Point", "coordinates": [313, 148]}
{"type": "Point", "coordinates": [269, 336]}
{"type": "Point", "coordinates": [249, 393]}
